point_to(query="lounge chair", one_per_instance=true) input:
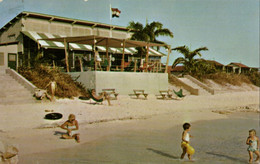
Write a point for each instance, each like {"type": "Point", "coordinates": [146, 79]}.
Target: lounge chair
{"type": "Point", "coordinates": [179, 93]}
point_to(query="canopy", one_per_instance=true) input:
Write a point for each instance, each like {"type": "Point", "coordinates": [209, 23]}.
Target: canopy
{"type": "Point", "coordinates": [104, 41]}
{"type": "Point", "coordinates": [57, 42]}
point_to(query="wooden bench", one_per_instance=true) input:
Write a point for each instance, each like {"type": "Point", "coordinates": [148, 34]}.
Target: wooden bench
{"type": "Point", "coordinates": [137, 93]}
{"type": "Point", "coordinates": [165, 94]}
{"type": "Point", "coordinates": [111, 91]}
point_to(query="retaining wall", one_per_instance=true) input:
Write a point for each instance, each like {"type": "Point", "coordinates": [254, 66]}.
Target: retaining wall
{"type": "Point", "coordinates": [123, 82]}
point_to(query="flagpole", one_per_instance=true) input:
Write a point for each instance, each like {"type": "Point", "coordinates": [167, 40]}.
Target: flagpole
{"type": "Point", "coordinates": [110, 16]}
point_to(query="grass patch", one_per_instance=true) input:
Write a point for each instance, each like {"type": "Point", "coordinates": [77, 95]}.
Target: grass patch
{"type": "Point", "coordinates": [224, 78]}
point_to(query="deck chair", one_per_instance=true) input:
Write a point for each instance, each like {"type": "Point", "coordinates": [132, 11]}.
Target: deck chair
{"type": "Point", "coordinates": [92, 97]}
{"type": "Point", "coordinates": [179, 93]}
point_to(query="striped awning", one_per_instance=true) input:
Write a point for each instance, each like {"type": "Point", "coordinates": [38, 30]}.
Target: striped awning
{"type": "Point", "coordinates": [37, 37]}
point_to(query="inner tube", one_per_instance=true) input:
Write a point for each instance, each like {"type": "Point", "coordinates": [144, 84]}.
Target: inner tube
{"type": "Point", "coordinates": [53, 116]}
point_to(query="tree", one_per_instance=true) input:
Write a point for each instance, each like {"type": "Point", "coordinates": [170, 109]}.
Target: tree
{"type": "Point", "coordinates": [150, 32]}
{"type": "Point", "coordinates": [189, 62]}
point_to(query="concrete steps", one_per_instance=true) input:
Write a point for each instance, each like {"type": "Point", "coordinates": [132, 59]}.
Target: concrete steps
{"type": "Point", "coordinates": [12, 92]}
{"type": "Point", "coordinates": [202, 91]}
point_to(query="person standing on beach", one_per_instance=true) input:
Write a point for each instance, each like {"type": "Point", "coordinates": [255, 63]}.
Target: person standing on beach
{"type": "Point", "coordinates": [53, 86]}
{"type": "Point", "coordinates": [253, 142]}
{"type": "Point", "coordinates": [71, 125]}
{"type": "Point", "coordinates": [186, 148]}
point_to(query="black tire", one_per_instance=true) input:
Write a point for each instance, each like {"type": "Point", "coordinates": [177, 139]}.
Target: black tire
{"type": "Point", "coordinates": [53, 116]}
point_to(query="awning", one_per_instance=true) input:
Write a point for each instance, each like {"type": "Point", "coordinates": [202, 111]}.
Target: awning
{"type": "Point", "coordinates": [56, 42]}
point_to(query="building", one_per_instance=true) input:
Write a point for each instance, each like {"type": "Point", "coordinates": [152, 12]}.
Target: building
{"type": "Point", "coordinates": [21, 42]}
{"type": "Point", "coordinates": [237, 68]}
{"type": "Point", "coordinates": [33, 37]}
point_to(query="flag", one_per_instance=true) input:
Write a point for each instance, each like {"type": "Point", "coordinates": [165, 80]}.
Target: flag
{"type": "Point", "coordinates": [115, 12]}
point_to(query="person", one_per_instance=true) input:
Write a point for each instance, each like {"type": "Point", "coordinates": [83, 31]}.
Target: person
{"type": "Point", "coordinates": [71, 125]}
{"type": "Point", "coordinates": [253, 142]}
{"type": "Point", "coordinates": [41, 93]}
{"type": "Point", "coordinates": [53, 88]}
{"type": "Point", "coordinates": [98, 59]}
{"type": "Point", "coordinates": [186, 140]}
{"type": "Point", "coordinates": [103, 95]}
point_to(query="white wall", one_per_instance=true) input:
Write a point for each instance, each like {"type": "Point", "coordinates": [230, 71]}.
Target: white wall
{"type": "Point", "coordinates": [124, 82]}
{"type": "Point", "coordinates": [8, 49]}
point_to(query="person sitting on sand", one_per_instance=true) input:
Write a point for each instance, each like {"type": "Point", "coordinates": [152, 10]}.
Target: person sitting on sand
{"type": "Point", "coordinates": [41, 93]}
{"type": "Point", "coordinates": [71, 125]}
{"type": "Point", "coordinates": [103, 95]}
{"type": "Point", "coordinates": [253, 142]}
{"type": "Point", "coordinates": [185, 140]}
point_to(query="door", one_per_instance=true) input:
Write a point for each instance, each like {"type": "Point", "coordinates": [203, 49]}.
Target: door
{"type": "Point", "coordinates": [12, 61]}
{"type": "Point", "coordinates": [2, 59]}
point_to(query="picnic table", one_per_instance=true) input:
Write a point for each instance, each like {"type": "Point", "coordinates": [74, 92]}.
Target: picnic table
{"type": "Point", "coordinates": [111, 91]}
{"type": "Point", "coordinates": [138, 92]}
{"type": "Point", "coordinates": [165, 94]}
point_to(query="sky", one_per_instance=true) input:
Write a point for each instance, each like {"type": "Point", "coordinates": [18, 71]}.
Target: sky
{"type": "Point", "coordinates": [228, 28]}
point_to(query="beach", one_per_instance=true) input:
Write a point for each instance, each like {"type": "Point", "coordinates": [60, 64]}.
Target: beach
{"type": "Point", "coordinates": [25, 127]}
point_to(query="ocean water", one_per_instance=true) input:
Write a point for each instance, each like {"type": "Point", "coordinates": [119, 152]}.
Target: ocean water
{"type": "Point", "coordinates": [215, 142]}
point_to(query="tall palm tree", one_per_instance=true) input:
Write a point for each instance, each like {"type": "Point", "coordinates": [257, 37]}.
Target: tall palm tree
{"type": "Point", "coordinates": [188, 60]}
{"type": "Point", "coordinates": [149, 32]}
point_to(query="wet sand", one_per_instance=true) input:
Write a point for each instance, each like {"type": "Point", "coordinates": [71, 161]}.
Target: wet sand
{"type": "Point", "coordinates": [157, 140]}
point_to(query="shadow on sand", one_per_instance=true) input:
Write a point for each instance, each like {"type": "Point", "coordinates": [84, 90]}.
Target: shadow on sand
{"type": "Point", "coordinates": [228, 157]}
{"type": "Point", "coordinates": [162, 153]}
{"type": "Point", "coordinates": [56, 133]}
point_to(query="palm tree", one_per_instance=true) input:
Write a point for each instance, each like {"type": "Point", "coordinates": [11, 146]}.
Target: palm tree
{"type": "Point", "coordinates": [188, 60]}
{"type": "Point", "coordinates": [150, 32]}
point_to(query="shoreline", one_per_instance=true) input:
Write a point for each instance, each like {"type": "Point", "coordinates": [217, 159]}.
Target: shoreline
{"type": "Point", "coordinates": [27, 128]}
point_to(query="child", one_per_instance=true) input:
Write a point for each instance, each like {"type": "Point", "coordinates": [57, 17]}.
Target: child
{"type": "Point", "coordinates": [185, 141]}
{"type": "Point", "coordinates": [71, 125]}
{"type": "Point", "coordinates": [253, 142]}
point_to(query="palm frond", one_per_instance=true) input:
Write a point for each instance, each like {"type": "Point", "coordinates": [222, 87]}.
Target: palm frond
{"type": "Point", "coordinates": [197, 52]}
{"type": "Point", "coordinates": [163, 32]}
{"type": "Point", "coordinates": [183, 50]}
{"type": "Point", "coordinates": [179, 60]}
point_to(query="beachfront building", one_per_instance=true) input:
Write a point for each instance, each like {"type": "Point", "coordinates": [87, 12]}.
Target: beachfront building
{"type": "Point", "coordinates": [237, 68]}
{"type": "Point", "coordinates": [25, 33]}
{"type": "Point", "coordinates": [33, 37]}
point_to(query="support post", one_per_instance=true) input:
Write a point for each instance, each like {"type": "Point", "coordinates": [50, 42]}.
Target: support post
{"type": "Point", "coordinates": [123, 57]}
{"type": "Point", "coordinates": [167, 62]}
{"type": "Point", "coordinates": [107, 56]}
{"type": "Point", "coordinates": [80, 63]}
{"type": "Point", "coordinates": [146, 59]}
{"type": "Point", "coordinates": [66, 55]}
{"type": "Point", "coordinates": [135, 65]}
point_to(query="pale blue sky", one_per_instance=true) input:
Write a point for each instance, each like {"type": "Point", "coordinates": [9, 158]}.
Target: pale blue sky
{"type": "Point", "coordinates": [229, 28]}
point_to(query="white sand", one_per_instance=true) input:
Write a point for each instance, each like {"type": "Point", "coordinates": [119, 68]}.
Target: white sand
{"type": "Point", "coordinates": [24, 126]}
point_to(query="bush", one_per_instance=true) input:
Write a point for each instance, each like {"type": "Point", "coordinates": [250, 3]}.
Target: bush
{"type": "Point", "coordinates": [223, 78]}
{"type": "Point", "coordinates": [41, 75]}
{"type": "Point", "coordinates": [254, 77]}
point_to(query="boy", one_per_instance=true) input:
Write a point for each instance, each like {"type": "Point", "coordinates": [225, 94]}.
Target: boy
{"type": "Point", "coordinates": [186, 140]}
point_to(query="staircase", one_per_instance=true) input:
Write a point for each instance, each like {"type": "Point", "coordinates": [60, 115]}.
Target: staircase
{"type": "Point", "coordinates": [187, 81]}
{"type": "Point", "coordinates": [12, 92]}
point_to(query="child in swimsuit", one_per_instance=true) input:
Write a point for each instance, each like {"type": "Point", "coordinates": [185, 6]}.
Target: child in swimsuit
{"type": "Point", "coordinates": [71, 125]}
{"type": "Point", "coordinates": [253, 142]}
{"type": "Point", "coordinates": [185, 140]}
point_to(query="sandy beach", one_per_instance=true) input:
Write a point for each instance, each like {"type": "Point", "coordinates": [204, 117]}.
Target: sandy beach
{"type": "Point", "coordinates": [25, 127]}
